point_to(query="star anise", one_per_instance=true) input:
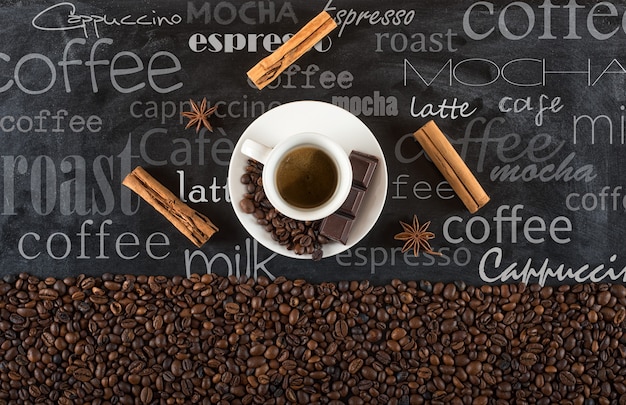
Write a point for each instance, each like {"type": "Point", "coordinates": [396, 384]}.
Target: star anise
{"type": "Point", "coordinates": [416, 237]}
{"type": "Point", "coordinates": [199, 115]}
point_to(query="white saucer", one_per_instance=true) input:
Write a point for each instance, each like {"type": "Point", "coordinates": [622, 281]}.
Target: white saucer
{"type": "Point", "coordinates": [327, 119]}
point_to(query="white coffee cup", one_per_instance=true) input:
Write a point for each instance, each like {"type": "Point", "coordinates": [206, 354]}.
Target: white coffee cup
{"type": "Point", "coordinates": [297, 174]}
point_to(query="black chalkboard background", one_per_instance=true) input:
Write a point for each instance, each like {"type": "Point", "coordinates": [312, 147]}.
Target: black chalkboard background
{"type": "Point", "coordinates": [585, 71]}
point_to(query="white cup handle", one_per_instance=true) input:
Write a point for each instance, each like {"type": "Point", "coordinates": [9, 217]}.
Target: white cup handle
{"type": "Point", "coordinates": [255, 150]}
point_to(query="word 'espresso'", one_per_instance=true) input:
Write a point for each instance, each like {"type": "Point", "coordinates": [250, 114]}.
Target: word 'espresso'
{"type": "Point", "coordinates": [345, 18]}
{"type": "Point", "coordinates": [35, 73]}
{"type": "Point", "coordinates": [251, 42]}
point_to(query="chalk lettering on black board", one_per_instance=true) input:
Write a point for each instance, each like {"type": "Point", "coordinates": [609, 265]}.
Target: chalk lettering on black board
{"type": "Point", "coordinates": [375, 258]}
{"type": "Point", "coordinates": [69, 186]}
{"type": "Point", "coordinates": [251, 265]}
{"type": "Point", "coordinates": [445, 109]}
{"type": "Point", "coordinates": [249, 42]}
{"type": "Point", "coordinates": [509, 147]}
{"type": "Point", "coordinates": [399, 42]}
{"type": "Point", "coordinates": [375, 105]}
{"type": "Point", "coordinates": [197, 193]}
{"type": "Point", "coordinates": [66, 14]}
{"type": "Point", "coordinates": [160, 72]}
{"type": "Point", "coordinates": [249, 12]}
{"type": "Point", "coordinates": [93, 91]}
{"type": "Point", "coordinates": [503, 20]}
{"type": "Point", "coordinates": [564, 172]}
{"type": "Point", "coordinates": [507, 225]}
{"type": "Point", "coordinates": [542, 106]}
{"type": "Point", "coordinates": [163, 111]}
{"type": "Point", "coordinates": [60, 245]}
{"type": "Point", "coordinates": [539, 150]}
{"type": "Point", "coordinates": [215, 150]}
{"type": "Point", "coordinates": [609, 198]}
{"type": "Point", "coordinates": [421, 190]}
{"type": "Point", "coordinates": [347, 18]}
{"type": "Point", "coordinates": [296, 77]}
{"type": "Point", "coordinates": [601, 121]}
{"type": "Point", "coordinates": [53, 122]}
{"type": "Point", "coordinates": [520, 72]}
{"type": "Point", "coordinates": [492, 270]}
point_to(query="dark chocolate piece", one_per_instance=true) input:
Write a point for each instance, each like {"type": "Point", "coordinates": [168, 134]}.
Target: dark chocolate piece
{"type": "Point", "coordinates": [363, 166]}
{"type": "Point", "coordinates": [336, 227]}
{"type": "Point", "coordinates": [352, 204]}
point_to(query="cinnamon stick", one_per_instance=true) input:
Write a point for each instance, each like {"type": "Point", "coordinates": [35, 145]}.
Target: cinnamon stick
{"type": "Point", "coordinates": [264, 72]}
{"type": "Point", "coordinates": [450, 164]}
{"type": "Point", "coordinates": [195, 226]}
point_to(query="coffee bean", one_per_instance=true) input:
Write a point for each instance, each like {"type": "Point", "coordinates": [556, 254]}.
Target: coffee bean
{"type": "Point", "coordinates": [398, 333]}
{"type": "Point", "coordinates": [128, 323]}
{"type": "Point", "coordinates": [116, 308]}
{"type": "Point", "coordinates": [394, 346]}
{"type": "Point", "coordinates": [34, 391]}
{"type": "Point", "coordinates": [294, 316]}
{"type": "Point", "coordinates": [98, 299]}
{"type": "Point", "coordinates": [301, 237]}
{"type": "Point", "coordinates": [620, 316]}
{"type": "Point", "coordinates": [227, 340]}
{"type": "Point", "coordinates": [247, 206]}
{"type": "Point", "coordinates": [187, 387]}
{"type": "Point", "coordinates": [450, 292]}
{"type": "Point", "coordinates": [16, 319]}
{"type": "Point", "coordinates": [383, 357]}
{"type": "Point", "coordinates": [82, 374]}
{"type": "Point", "coordinates": [355, 365]}
{"type": "Point", "coordinates": [146, 395]}
{"type": "Point", "coordinates": [474, 368]}
{"type": "Point", "coordinates": [88, 283]}
{"type": "Point", "coordinates": [48, 339]}
{"type": "Point", "coordinates": [48, 294]}
{"type": "Point", "coordinates": [603, 297]}
{"type": "Point", "coordinates": [369, 373]}
{"type": "Point", "coordinates": [231, 307]}
{"type": "Point", "coordinates": [425, 373]}
{"type": "Point", "coordinates": [341, 328]}
{"type": "Point", "coordinates": [567, 378]}
{"type": "Point", "coordinates": [449, 326]}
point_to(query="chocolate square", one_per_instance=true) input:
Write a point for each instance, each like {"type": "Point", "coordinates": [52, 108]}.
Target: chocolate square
{"type": "Point", "coordinates": [352, 204]}
{"type": "Point", "coordinates": [363, 166]}
{"type": "Point", "coordinates": [336, 227]}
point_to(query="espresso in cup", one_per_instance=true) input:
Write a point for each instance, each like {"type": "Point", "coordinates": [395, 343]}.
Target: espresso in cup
{"type": "Point", "coordinates": [306, 177]}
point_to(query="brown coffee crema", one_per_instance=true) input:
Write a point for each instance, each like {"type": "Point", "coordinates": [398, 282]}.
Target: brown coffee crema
{"type": "Point", "coordinates": [306, 177]}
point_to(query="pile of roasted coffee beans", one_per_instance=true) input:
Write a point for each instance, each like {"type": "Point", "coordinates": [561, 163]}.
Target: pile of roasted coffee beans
{"type": "Point", "coordinates": [302, 237]}
{"type": "Point", "coordinates": [122, 339]}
